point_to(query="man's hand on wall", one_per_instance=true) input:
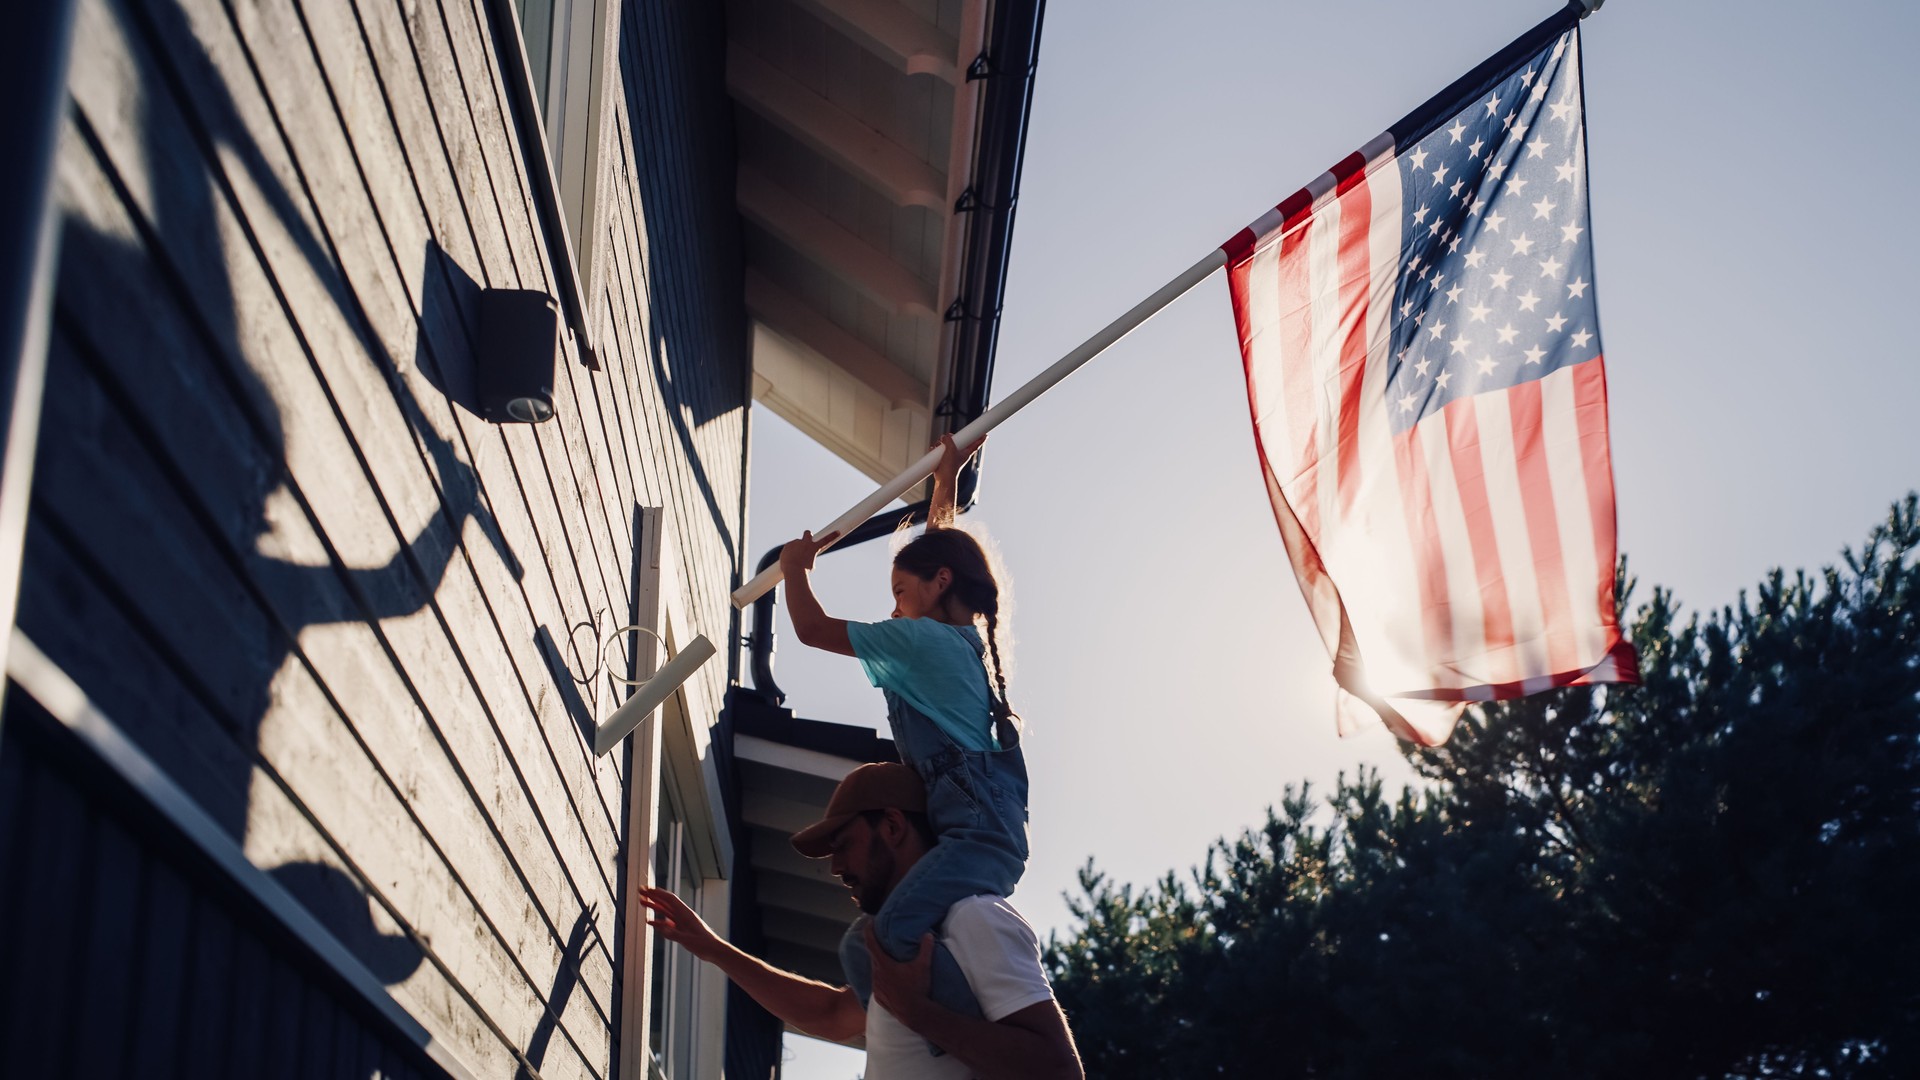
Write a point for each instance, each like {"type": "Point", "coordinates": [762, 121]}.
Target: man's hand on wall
{"type": "Point", "coordinates": [677, 923]}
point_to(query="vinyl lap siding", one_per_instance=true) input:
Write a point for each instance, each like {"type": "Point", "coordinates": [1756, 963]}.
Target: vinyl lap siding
{"type": "Point", "coordinates": [134, 956]}
{"type": "Point", "coordinates": [341, 611]}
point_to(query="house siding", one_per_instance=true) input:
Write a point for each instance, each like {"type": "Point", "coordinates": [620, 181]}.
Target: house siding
{"type": "Point", "coordinates": [270, 539]}
{"type": "Point", "coordinates": [168, 970]}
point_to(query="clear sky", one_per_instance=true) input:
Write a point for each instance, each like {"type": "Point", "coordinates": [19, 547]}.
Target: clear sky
{"type": "Point", "coordinates": [1751, 168]}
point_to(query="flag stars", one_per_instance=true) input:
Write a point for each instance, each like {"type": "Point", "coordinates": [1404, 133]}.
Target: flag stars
{"type": "Point", "coordinates": [1474, 258]}
{"type": "Point", "coordinates": [1507, 334]}
{"type": "Point", "coordinates": [1441, 379]}
{"type": "Point", "coordinates": [1458, 129]}
{"type": "Point", "coordinates": [1440, 328]}
{"type": "Point", "coordinates": [1453, 295]}
{"type": "Point", "coordinates": [1527, 79]}
{"type": "Point", "coordinates": [1539, 91]}
{"type": "Point", "coordinates": [1554, 324]}
{"type": "Point", "coordinates": [1578, 287]}
{"type": "Point", "coordinates": [1434, 228]}
{"type": "Point", "coordinates": [1419, 316]}
{"type": "Point", "coordinates": [1454, 190]}
{"type": "Point", "coordinates": [1474, 148]}
{"type": "Point", "coordinates": [1537, 148]}
{"type": "Point", "coordinates": [1421, 367]}
{"type": "Point", "coordinates": [1550, 268]}
{"type": "Point", "coordinates": [1479, 204]}
{"type": "Point", "coordinates": [1580, 339]}
{"type": "Point", "coordinates": [1479, 313]}
{"type": "Point", "coordinates": [1406, 402]}
{"type": "Point", "coordinates": [1570, 233]}
{"type": "Point", "coordinates": [1439, 175]}
{"type": "Point", "coordinates": [1500, 279]}
{"type": "Point", "coordinates": [1495, 220]}
{"type": "Point", "coordinates": [1565, 170]}
{"type": "Point", "coordinates": [1494, 105]}
{"type": "Point", "coordinates": [1563, 109]}
{"type": "Point", "coordinates": [1460, 344]}
{"type": "Point", "coordinates": [1486, 364]}
{"type": "Point", "coordinates": [1522, 245]}
{"type": "Point", "coordinates": [1419, 159]}
{"type": "Point", "coordinates": [1453, 245]}
{"type": "Point", "coordinates": [1497, 170]}
{"type": "Point", "coordinates": [1520, 129]}
{"type": "Point", "coordinates": [1437, 279]}
{"type": "Point", "coordinates": [1534, 354]}
{"type": "Point", "coordinates": [1517, 185]}
{"type": "Point", "coordinates": [1406, 309]}
{"type": "Point", "coordinates": [1528, 301]}
{"type": "Point", "coordinates": [1420, 216]}
{"type": "Point", "coordinates": [1544, 207]}
{"type": "Point", "coordinates": [1507, 120]}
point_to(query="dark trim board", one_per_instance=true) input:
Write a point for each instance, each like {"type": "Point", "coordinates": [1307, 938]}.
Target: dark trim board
{"type": "Point", "coordinates": [135, 936]}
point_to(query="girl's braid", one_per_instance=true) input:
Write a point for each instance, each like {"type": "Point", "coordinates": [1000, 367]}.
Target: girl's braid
{"type": "Point", "coordinates": [1002, 709]}
{"type": "Point", "coordinates": [973, 586]}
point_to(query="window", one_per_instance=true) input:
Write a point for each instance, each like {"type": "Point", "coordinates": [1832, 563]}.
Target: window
{"type": "Point", "coordinates": [570, 61]}
{"type": "Point", "coordinates": [671, 1032]}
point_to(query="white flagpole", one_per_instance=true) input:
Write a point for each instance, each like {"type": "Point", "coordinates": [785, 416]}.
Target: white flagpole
{"type": "Point", "coordinates": [1002, 409]}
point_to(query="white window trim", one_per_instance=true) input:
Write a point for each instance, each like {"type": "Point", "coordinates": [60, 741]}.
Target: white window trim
{"type": "Point", "coordinates": [588, 137]}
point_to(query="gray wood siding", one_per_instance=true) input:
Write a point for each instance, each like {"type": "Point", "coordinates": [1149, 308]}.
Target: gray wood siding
{"type": "Point", "coordinates": [132, 955]}
{"type": "Point", "coordinates": [340, 610]}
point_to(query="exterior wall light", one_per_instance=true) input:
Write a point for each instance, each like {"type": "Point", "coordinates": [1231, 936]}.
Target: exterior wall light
{"type": "Point", "coordinates": [517, 355]}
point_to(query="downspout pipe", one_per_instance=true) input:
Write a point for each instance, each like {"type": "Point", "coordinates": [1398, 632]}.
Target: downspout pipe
{"type": "Point", "coordinates": [760, 640]}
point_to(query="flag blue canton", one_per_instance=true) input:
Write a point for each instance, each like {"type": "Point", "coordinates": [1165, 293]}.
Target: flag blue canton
{"type": "Point", "coordinates": [1496, 273]}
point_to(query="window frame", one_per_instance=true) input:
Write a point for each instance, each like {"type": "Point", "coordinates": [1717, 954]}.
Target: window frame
{"type": "Point", "coordinates": [587, 144]}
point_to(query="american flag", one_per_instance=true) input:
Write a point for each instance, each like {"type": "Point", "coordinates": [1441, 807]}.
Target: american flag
{"type": "Point", "coordinates": [1429, 399]}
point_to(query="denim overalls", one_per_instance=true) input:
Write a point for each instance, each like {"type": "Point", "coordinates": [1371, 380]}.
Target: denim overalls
{"type": "Point", "coordinates": [977, 804]}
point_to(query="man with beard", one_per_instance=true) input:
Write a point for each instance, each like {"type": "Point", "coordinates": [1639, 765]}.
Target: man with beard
{"type": "Point", "coordinates": [875, 831]}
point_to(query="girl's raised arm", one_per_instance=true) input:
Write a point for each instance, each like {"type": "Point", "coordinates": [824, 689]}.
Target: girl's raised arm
{"type": "Point", "coordinates": [946, 479]}
{"type": "Point", "coordinates": [811, 623]}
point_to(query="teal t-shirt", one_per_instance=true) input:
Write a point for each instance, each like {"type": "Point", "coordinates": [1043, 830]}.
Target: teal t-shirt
{"type": "Point", "coordinates": [937, 668]}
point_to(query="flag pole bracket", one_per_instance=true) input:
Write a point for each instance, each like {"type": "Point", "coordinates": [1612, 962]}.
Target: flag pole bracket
{"type": "Point", "coordinates": [970, 201]}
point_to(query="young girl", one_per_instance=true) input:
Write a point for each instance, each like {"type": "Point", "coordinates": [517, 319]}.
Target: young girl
{"type": "Point", "coordinates": [950, 720]}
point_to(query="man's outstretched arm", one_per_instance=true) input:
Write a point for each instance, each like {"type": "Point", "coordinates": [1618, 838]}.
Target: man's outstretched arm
{"type": "Point", "coordinates": [1033, 1043]}
{"type": "Point", "coordinates": [828, 1012]}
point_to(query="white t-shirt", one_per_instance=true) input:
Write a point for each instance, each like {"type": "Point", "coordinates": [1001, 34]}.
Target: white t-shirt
{"type": "Point", "coordinates": [1000, 956]}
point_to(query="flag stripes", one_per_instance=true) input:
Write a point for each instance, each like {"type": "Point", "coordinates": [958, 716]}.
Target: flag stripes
{"type": "Point", "coordinates": [1446, 498]}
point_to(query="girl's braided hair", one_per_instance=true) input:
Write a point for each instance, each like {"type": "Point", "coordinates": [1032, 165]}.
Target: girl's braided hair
{"type": "Point", "coordinates": [974, 586]}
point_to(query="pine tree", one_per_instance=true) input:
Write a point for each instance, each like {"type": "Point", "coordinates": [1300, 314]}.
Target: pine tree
{"type": "Point", "coordinates": [1713, 874]}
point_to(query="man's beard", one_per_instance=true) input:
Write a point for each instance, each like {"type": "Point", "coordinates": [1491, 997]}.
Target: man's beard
{"type": "Point", "coordinates": [871, 891]}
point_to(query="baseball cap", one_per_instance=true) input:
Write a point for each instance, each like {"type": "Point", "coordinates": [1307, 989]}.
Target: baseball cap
{"type": "Point", "coordinates": [882, 785]}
